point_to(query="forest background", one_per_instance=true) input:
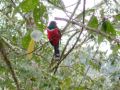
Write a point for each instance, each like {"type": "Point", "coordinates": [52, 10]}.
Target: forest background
{"type": "Point", "coordinates": [90, 45]}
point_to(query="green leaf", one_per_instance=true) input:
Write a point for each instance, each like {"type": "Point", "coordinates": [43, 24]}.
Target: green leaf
{"type": "Point", "coordinates": [80, 68]}
{"type": "Point", "coordinates": [66, 84]}
{"type": "Point", "coordinates": [100, 39]}
{"type": "Point", "coordinates": [93, 22]}
{"type": "Point", "coordinates": [108, 28]}
{"type": "Point", "coordinates": [118, 32]}
{"type": "Point", "coordinates": [2, 68]}
{"type": "Point", "coordinates": [104, 26]}
{"type": "Point", "coordinates": [28, 5]}
{"type": "Point", "coordinates": [116, 48]}
{"type": "Point", "coordinates": [115, 73]}
{"type": "Point", "coordinates": [14, 39]}
{"type": "Point", "coordinates": [117, 17]}
{"type": "Point", "coordinates": [58, 3]}
{"type": "Point", "coordinates": [25, 40]}
{"type": "Point", "coordinates": [40, 14]}
{"type": "Point", "coordinates": [80, 88]}
{"type": "Point", "coordinates": [95, 66]}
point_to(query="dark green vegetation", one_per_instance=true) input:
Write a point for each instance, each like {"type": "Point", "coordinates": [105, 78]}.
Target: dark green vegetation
{"type": "Point", "coordinates": [90, 57]}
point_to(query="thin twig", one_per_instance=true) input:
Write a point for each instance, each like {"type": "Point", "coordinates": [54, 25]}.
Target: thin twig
{"type": "Point", "coordinates": [116, 2]}
{"type": "Point", "coordinates": [71, 16]}
{"type": "Point", "coordinates": [56, 67]}
{"type": "Point", "coordinates": [64, 56]}
{"type": "Point", "coordinates": [67, 43]}
{"type": "Point", "coordinates": [39, 48]}
{"type": "Point", "coordinates": [94, 7]}
{"type": "Point", "coordinates": [71, 5]}
{"type": "Point", "coordinates": [68, 25]}
{"type": "Point", "coordinates": [97, 31]}
{"type": "Point", "coordinates": [55, 4]}
{"type": "Point", "coordinates": [74, 47]}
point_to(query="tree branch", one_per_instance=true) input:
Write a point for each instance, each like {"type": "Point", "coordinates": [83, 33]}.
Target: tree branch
{"type": "Point", "coordinates": [71, 5]}
{"type": "Point", "coordinates": [8, 63]}
{"type": "Point", "coordinates": [97, 31]}
{"type": "Point", "coordinates": [39, 48]}
{"type": "Point", "coordinates": [67, 44]}
{"type": "Point", "coordinates": [54, 4]}
{"type": "Point", "coordinates": [71, 16]}
{"type": "Point", "coordinates": [56, 67]}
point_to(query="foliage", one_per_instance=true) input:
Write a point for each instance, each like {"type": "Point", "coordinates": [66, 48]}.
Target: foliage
{"type": "Point", "coordinates": [28, 5]}
{"type": "Point", "coordinates": [108, 28]}
{"type": "Point", "coordinates": [92, 64]}
{"type": "Point", "coordinates": [93, 22]}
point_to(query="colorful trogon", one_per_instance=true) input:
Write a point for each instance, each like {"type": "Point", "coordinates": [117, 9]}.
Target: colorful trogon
{"type": "Point", "coordinates": [54, 37]}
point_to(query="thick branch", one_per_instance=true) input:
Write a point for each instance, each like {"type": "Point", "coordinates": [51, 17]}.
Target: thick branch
{"type": "Point", "coordinates": [8, 63]}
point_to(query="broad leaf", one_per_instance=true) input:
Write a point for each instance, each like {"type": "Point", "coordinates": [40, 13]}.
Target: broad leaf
{"type": "Point", "coordinates": [93, 22]}
{"type": "Point", "coordinates": [117, 17]}
{"type": "Point", "coordinates": [40, 16]}
{"type": "Point", "coordinates": [108, 28]}
{"type": "Point", "coordinates": [28, 5]}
